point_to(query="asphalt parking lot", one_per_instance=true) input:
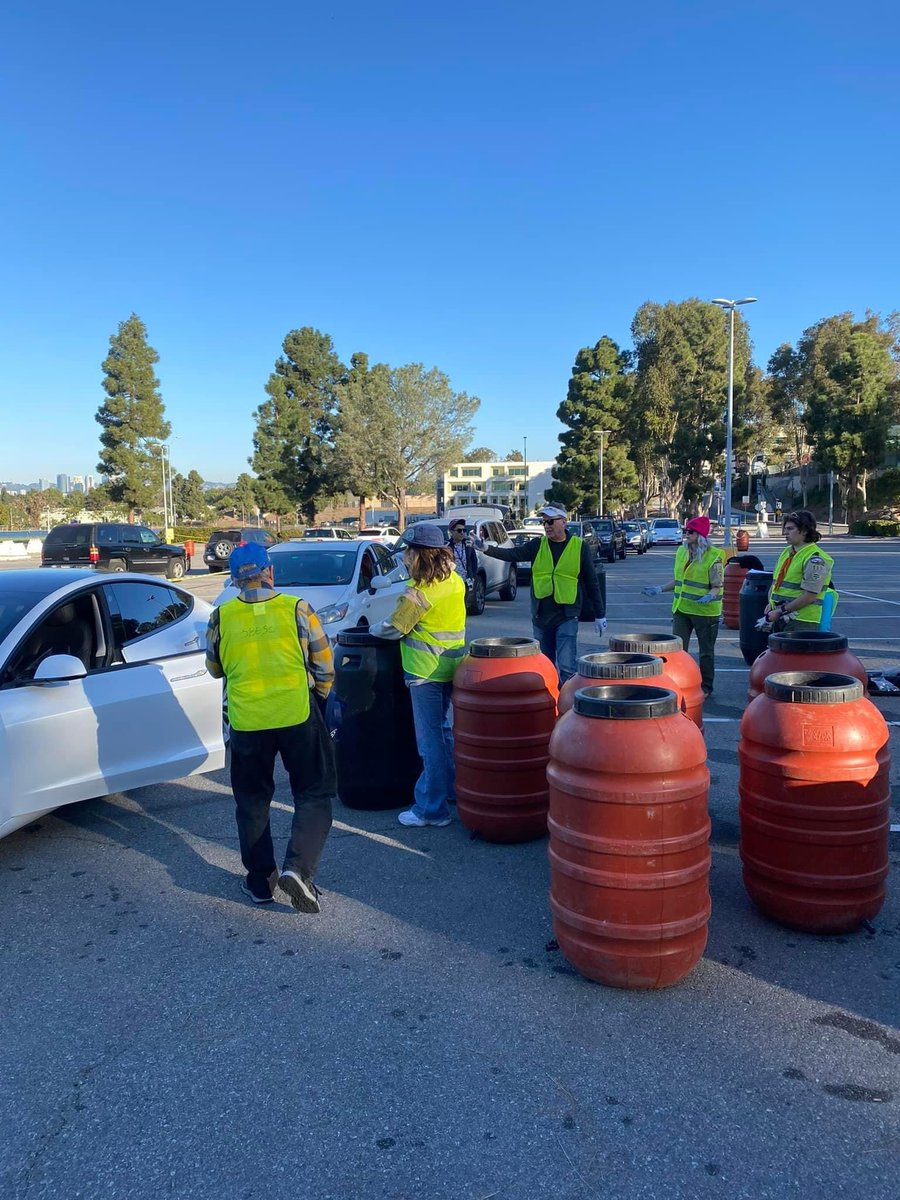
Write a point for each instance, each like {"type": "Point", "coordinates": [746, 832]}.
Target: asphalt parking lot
{"type": "Point", "coordinates": [422, 1038]}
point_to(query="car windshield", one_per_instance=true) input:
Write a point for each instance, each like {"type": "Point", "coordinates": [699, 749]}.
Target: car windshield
{"type": "Point", "coordinates": [666, 524]}
{"type": "Point", "coordinates": [318, 533]}
{"type": "Point", "coordinates": [14, 607]}
{"type": "Point", "coordinates": [603, 526]}
{"type": "Point", "coordinates": [300, 568]}
{"type": "Point", "coordinates": [574, 527]}
{"type": "Point", "coordinates": [632, 527]}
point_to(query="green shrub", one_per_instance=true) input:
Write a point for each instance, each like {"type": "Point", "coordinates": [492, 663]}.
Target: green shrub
{"type": "Point", "coordinates": [880, 528]}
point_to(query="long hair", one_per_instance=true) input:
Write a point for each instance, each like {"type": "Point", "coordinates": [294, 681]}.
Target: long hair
{"type": "Point", "coordinates": [700, 547]}
{"type": "Point", "coordinates": [429, 564]}
{"type": "Point", "coordinates": [805, 522]}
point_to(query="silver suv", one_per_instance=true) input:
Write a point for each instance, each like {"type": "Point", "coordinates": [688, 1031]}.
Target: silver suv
{"type": "Point", "coordinates": [493, 576]}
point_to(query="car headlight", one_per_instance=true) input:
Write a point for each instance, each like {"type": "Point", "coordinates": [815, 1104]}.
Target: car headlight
{"type": "Point", "coordinates": [332, 612]}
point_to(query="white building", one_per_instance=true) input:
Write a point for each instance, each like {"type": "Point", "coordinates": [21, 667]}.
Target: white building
{"type": "Point", "coordinates": [498, 483]}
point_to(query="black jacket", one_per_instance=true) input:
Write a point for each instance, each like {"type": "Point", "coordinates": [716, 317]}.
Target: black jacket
{"type": "Point", "coordinates": [546, 612]}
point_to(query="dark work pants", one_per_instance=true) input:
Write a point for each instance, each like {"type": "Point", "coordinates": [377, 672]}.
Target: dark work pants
{"type": "Point", "coordinates": [707, 630]}
{"type": "Point", "coordinates": [308, 757]}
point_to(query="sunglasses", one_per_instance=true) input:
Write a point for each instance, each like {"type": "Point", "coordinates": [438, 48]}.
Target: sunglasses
{"type": "Point", "coordinates": [550, 520]}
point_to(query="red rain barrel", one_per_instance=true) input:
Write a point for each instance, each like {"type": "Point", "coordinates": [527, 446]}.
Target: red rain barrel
{"type": "Point", "coordinates": [677, 663]}
{"type": "Point", "coordinates": [645, 670]}
{"type": "Point", "coordinates": [742, 540]}
{"type": "Point", "coordinates": [189, 550]}
{"type": "Point", "coordinates": [812, 650]}
{"type": "Point", "coordinates": [504, 710]}
{"type": "Point", "coordinates": [629, 834]}
{"type": "Point", "coordinates": [731, 607]}
{"type": "Point", "coordinates": [814, 802]}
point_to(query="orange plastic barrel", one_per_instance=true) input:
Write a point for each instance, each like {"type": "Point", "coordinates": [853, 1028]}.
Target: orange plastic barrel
{"type": "Point", "coordinates": [629, 834]}
{"type": "Point", "coordinates": [677, 663]}
{"type": "Point", "coordinates": [645, 670]}
{"type": "Point", "coordinates": [504, 710]}
{"type": "Point", "coordinates": [742, 540]}
{"type": "Point", "coordinates": [731, 606]}
{"type": "Point", "coordinates": [814, 802]}
{"type": "Point", "coordinates": [813, 650]}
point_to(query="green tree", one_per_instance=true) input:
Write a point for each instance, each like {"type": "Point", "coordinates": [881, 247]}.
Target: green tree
{"type": "Point", "coordinates": [188, 497]}
{"type": "Point", "coordinates": [132, 418]}
{"type": "Point", "coordinates": [849, 384]}
{"type": "Point", "coordinates": [98, 500]}
{"type": "Point", "coordinates": [403, 427]}
{"type": "Point", "coordinates": [785, 387]}
{"type": "Point", "coordinates": [480, 454]}
{"type": "Point", "coordinates": [514, 456]}
{"type": "Point", "coordinates": [297, 426]}
{"type": "Point", "coordinates": [244, 493]}
{"type": "Point", "coordinates": [596, 402]}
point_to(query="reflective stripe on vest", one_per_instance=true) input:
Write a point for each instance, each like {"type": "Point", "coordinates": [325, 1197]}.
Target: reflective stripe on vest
{"type": "Point", "coordinates": [562, 578]}
{"type": "Point", "coordinates": [259, 647]}
{"type": "Point", "coordinates": [437, 645]}
{"type": "Point", "coordinates": [792, 585]}
{"type": "Point", "coordinates": [692, 582]}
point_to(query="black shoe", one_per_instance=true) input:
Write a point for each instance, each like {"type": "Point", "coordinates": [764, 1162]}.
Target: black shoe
{"type": "Point", "coordinates": [263, 894]}
{"type": "Point", "coordinates": [302, 895]}
{"type": "Point", "coordinates": [707, 691]}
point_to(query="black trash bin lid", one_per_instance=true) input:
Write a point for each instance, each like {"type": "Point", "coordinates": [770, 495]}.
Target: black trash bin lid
{"type": "Point", "coordinates": [646, 643]}
{"type": "Point", "coordinates": [504, 647]}
{"type": "Point", "coordinates": [360, 636]}
{"type": "Point", "coordinates": [813, 687]}
{"type": "Point", "coordinates": [626, 702]}
{"type": "Point", "coordinates": [813, 641]}
{"type": "Point", "coordinates": [619, 666]}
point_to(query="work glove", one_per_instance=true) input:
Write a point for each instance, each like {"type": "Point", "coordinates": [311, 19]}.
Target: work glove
{"type": "Point", "coordinates": [651, 590]}
{"type": "Point", "coordinates": [478, 543]}
{"type": "Point", "coordinates": [707, 599]}
{"type": "Point", "coordinates": [600, 625]}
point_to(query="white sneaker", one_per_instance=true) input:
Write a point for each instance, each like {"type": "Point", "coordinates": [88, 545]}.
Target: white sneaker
{"type": "Point", "coordinates": [412, 821]}
{"type": "Point", "coordinates": [303, 896]}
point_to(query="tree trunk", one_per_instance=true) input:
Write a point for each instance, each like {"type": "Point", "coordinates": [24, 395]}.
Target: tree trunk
{"type": "Point", "coordinates": [401, 509]}
{"type": "Point", "coordinates": [362, 512]}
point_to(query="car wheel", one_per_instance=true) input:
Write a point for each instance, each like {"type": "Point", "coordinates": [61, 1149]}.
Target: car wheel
{"type": "Point", "coordinates": [176, 568]}
{"type": "Point", "coordinates": [475, 601]}
{"type": "Point", "coordinates": [512, 586]}
{"type": "Point", "coordinates": [223, 549]}
{"type": "Point", "coordinates": [118, 564]}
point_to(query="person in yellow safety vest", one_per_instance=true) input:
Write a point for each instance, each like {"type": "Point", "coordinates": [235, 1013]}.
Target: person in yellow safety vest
{"type": "Point", "coordinates": [563, 584]}
{"type": "Point", "coordinates": [430, 623]}
{"type": "Point", "coordinates": [276, 660]}
{"type": "Point", "coordinates": [697, 604]}
{"type": "Point", "coordinates": [802, 576]}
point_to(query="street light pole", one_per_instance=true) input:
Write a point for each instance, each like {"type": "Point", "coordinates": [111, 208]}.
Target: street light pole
{"type": "Point", "coordinates": [603, 433]}
{"type": "Point", "coordinates": [526, 509]}
{"type": "Point", "coordinates": [730, 306]}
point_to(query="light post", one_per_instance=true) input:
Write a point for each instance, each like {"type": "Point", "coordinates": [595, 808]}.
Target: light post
{"type": "Point", "coordinates": [526, 507]}
{"type": "Point", "coordinates": [730, 306]}
{"type": "Point", "coordinates": [603, 433]}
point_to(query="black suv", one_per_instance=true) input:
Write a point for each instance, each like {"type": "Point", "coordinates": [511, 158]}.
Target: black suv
{"type": "Point", "coordinates": [585, 530]}
{"type": "Point", "coordinates": [612, 537]}
{"type": "Point", "coordinates": [223, 541]}
{"type": "Point", "coordinates": [113, 547]}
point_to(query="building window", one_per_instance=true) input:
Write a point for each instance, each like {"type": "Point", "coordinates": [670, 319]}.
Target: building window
{"type": "Point", "coordinates": [454, 472]}
{"type": "Point", "coordinates": [471, 472]}
{"type": "Point", "coordinates": [517, 470]}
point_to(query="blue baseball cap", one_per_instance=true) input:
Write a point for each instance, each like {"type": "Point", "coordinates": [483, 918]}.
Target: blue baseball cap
{"type": "Point", "coordinates": [425, 534]}
{"type": "Point", "coordinates": [248, 560]}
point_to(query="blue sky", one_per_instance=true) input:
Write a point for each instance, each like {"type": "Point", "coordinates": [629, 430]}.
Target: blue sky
{"type": "Point", "coordinates": [483, 187]}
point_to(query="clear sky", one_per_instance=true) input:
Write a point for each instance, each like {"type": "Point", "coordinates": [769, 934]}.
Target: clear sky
{"type": "Point", "coordinates": [482, 187]}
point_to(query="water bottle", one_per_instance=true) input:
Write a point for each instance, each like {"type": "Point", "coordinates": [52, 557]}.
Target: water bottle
{"type": "Point", "coordinates": [827, 610]}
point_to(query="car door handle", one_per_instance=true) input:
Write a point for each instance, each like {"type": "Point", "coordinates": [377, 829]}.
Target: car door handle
{"type": "Point", "coordinates": [194, 641]}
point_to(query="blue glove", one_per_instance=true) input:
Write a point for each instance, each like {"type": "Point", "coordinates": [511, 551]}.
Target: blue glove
{"type": "Point", "coordinates": [600, 625]}
{"type": "Point", "coordinates": [707, 599]}
{"type": "Point", "coordinates": [651, 590]}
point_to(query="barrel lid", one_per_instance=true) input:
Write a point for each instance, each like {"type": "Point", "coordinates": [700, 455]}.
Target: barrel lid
{"type": "Point", "coordinates": [813, 641]}
{"type": "Point", "coordinates": [619, 666]}
{"type": "Point", "coordinates": [504, 647]}
{"type": "Point", "coordinates": [625, 702]}
{"type": "Point", "coordinates": [813, 687]}
{"type": "Point", "coordinates": [753, 576]}
{"type": "Point", "coordinates": [360, 636]}
{"type": "Point", "coordinates": [646, 643]}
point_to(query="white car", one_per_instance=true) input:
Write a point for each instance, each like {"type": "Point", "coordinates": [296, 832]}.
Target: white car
{"type": "Point", "coordinates": [380, 533]}
{"type": "Point", "coordinates": [665, 531]}
{"type": "Point", "coordinates": [328, 533]}
{"type": "Point", "coordinates": [103, 687]}
{"type": "Point", "coordinates": [354, 583]}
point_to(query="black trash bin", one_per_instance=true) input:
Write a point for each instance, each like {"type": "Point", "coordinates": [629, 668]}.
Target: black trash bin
{"type": "Point", "coordinates": [587, 611]}
{"type": "Point", "coordinates": [754, 599]}
{"type": "Point", "coordinates": [371, 722]}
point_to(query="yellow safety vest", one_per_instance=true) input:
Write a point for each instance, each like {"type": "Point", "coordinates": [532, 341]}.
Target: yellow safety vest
{"type": "Point", "coordinates": [562, 578]}
{"type": "Point", "coordinates": [261, 655]}
{"type": "Point", "coordinates": [792, 584]}
{"type": "Point", "coordinates": [692, 582]}
{"type": "Point", "coordinates": [437, 645]}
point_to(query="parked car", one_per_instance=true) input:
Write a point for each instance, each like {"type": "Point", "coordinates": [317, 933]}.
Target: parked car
{"type": "Point", "coordinates": [635, 537]}
{"type": "Point", "coordinates": [494, 577]}
{"type": "Point", "coordinates": [328, 533]}
{"type": "Point", "coordinates": [220, 544]}
{"type": "Point", "coordinates": [350, 584]}
{"type": "Point", "coordinates": [585, 530]}
{"type": "Point", "coordinates": [379, 533]}
{"type": "Point", "coordinates": [131, 701]}
{"type": "Point", "coordinates": [520, 537]}
{"type": "Point", "coordinates": [611, 536]}
{"type": "Point", "coordinates": [645, 525]}
{"type": "Point", "coordinates": [114, 547]}
{"type": "Point", "coordinates": [665, 531]}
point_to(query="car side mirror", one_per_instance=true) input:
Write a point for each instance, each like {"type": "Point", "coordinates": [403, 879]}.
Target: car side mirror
{"type": "Point", "coordinates": [58, 668]}
{"type": "Point", "coordinates": [380, 582]}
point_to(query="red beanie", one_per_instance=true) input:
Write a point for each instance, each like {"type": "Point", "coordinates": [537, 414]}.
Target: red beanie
{"type": "Point", "coordinates": [699, 525]}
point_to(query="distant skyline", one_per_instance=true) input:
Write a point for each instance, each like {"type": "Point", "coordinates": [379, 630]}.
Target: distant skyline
{"type": "Point", "coordinates": [481, 188]}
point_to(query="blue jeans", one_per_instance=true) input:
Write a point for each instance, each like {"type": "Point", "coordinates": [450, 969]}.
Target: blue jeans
{"type": "Point", "coordinates": [560, 644]}
{"type": "Point", "coordinates": [431, 716]}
